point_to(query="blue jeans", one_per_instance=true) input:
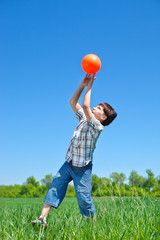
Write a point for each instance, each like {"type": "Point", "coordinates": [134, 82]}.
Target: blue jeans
{"type": "Point", "coordinates": [82, 178]}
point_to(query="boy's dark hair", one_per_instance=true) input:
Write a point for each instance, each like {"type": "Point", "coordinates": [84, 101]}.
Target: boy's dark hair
{"type": "Point", "coordinates": [109, 112]}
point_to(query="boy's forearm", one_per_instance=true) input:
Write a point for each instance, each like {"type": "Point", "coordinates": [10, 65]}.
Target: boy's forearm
{"type": "Point", "coordinates": [87, 97]}
{"type": "Point", "coordinates": [77, 94]}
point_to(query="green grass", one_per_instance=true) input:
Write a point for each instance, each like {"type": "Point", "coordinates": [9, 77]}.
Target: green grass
{"type": "Point", "coordinates": [117, 218]}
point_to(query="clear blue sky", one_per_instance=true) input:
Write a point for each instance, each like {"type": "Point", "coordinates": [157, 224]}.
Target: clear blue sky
{"type": "Point", "coordinates": [42, 44]}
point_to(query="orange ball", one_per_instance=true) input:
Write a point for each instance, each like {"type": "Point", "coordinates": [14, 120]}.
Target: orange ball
{"type": "Point", "coordinates": [91, 64]}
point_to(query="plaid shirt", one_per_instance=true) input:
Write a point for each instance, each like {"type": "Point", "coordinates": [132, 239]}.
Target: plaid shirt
{"type": "Point", "coordinates": [83, 142]}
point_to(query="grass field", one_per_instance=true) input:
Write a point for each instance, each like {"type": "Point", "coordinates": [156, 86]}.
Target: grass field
{"type": "Point", "coordinates": [117, 218]}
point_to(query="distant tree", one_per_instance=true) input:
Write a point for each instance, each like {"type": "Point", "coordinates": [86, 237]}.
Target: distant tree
{"type": "Point", "coordinates": [158, 179]}
{"type": "Point", "coordinates": [115, 177]}
{"type": "Point", "coordinates": [32, 180]}
{"type": "Point", "coordinates": [95, 182]}
{"type": "Point", "coordinates": [46, 181]}
{"type": "Point", "coordinates": [122, 178]}
{"type": "Point", "coordinates": [135, 180]}
{"type": "Point", "coordinates": [105, 181]}
{"type": "Point", "coordinates": [151, 181]}
{"type": "Point", "coordinates": [118, 178]}
{"type": "Point", "coordinates": [10, 191]}
{"type": "Point", "coordinates": [156, 191]}
{"type": "Point", "coordinates": [101, 186]}
{"type": "Point", "coordinates": [30, 190]}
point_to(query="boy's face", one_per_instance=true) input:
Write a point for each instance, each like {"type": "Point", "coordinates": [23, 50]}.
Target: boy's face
{"type": "Point", "coordinates": [99, 113]}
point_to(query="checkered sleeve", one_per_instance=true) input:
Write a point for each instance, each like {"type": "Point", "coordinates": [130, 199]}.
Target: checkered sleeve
{"type": "Point", "coordinates": [95, 125]}
{"type": "Point", "coordinates": [80, 114]}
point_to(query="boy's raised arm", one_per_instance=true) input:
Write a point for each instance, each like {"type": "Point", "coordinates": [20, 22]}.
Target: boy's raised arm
{"type": "Point", "coordinates": [74, 100]}
{"type": "Point", "coordinates": [87, 98]}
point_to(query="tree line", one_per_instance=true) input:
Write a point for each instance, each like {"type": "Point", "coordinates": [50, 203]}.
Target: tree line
{"type": "Point", "coordinates": [115, 185]}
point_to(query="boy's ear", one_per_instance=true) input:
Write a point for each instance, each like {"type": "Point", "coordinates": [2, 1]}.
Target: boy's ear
{"type": "Point", "coordinates": [104, 117]}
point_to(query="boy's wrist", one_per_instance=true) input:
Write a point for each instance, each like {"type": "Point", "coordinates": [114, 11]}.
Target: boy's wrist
{"type": "Point", "coordinates": [90, 83]}
{"type": "Point", "coordinates": [83, 85]}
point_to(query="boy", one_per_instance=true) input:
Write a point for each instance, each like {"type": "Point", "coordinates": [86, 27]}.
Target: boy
{"type": "Point", "coordinates": [78, 165]}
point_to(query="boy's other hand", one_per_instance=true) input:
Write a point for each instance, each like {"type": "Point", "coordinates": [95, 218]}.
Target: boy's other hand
{"type": "Point", "coordinates": [88, 78]}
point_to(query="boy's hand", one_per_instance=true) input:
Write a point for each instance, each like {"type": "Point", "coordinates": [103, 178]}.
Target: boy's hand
{"type": "Point", "coordinates": [88, 78]}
